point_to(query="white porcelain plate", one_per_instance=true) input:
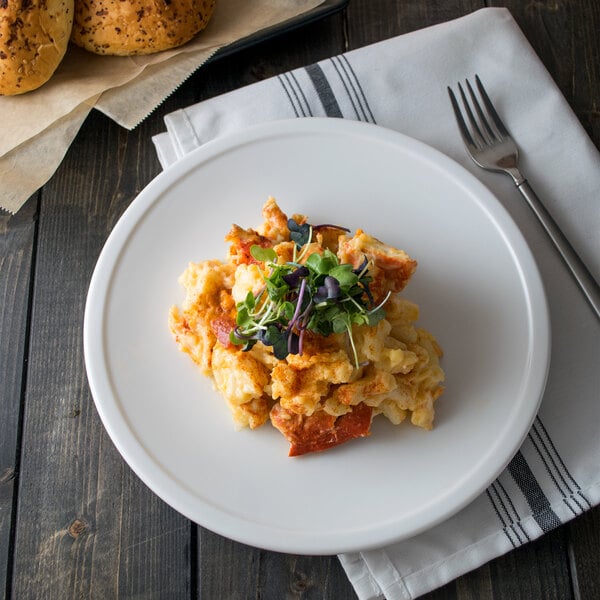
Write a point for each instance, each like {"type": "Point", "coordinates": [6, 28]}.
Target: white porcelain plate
{"type": "Point", "coordinates": [477, 286]}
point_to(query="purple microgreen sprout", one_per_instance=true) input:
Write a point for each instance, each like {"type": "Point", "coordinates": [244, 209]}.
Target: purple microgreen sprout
{"type": "Point", "coordinates": [321, 295]}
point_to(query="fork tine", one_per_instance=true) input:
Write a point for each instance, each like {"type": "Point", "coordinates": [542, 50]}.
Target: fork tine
{"type": "Point", "coordinates": [492, 134]}
{"type": "Point", "coordinates": [462, 126]}
{"type": "Point", "coordinates": [477, 135]}
{"type": "Point", "coordinates": [490, 108]}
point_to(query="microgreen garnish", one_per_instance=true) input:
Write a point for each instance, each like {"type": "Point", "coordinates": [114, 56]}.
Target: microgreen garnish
{"type": "Point", "coordinates": [263, 254]}
{"type": "Point", "coordinates": [322, 295]}
{"type": "Point", "coordinates": [299, 233]}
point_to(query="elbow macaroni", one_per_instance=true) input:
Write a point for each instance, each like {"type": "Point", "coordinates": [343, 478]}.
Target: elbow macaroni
{"type": "Point", "coordinates": [399, 374]}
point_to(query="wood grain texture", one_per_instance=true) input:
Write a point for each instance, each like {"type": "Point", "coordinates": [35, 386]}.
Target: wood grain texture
{"type": "Point", "coordinates": [366, 25]}
{"type": "Point", "coordinates": [17, 250]}
{"type": "Point", "coordinates": [566, 37]}
{"type": "Point", "coordinates": [583, 544]}
{"type": "Point", "coordinates": [85, 526]}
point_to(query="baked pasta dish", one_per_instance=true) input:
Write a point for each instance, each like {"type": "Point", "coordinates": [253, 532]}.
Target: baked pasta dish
{"type": "Point", "coordinates": [302, 325]}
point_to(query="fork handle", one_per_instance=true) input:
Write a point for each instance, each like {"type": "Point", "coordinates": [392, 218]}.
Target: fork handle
{"type": "Point", "coordinates": [586, 282]}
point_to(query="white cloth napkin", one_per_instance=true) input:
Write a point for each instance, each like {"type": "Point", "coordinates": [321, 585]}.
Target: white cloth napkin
{"type": "Point", "coordinates": [401, 84]}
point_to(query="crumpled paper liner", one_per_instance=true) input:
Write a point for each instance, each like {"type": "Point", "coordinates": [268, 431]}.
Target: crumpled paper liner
{"type": "Point", "coordinates": [41, 125]}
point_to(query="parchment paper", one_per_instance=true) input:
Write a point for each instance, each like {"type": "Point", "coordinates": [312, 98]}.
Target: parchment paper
{"type": "Point", "coordinates": [43, 123]}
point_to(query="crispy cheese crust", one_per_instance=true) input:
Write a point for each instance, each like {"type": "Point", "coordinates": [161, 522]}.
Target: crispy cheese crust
{"type": "Point", "coordinates": [317, 399]}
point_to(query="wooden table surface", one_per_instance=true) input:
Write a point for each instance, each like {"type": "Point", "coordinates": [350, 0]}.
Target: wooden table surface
{"type": "Point", "coordinates": [75, 522]}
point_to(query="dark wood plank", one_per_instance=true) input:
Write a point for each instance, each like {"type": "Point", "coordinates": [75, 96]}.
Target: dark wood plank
{"type": "Point", "coordinates": [17, 240]}
{"type": "Point", "coordinates": [537, 570]}
{"type": "Point", "coordinates": [86, 525]}
{"type": "Point", "coordinates": [307, 578]}
{"type": "Point", "coordinates": [226, 568]}
{"type": "Point", "coordinates": [266, 575]}
{"type": "Point", "coordinates": [366, 25]}
{"type": "Point", "coordinates": [566, 37]}
{"type": "Point", "coordinates": [584, 552]}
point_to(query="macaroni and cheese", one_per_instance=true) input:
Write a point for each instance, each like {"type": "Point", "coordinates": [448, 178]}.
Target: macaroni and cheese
{"type": "Point", "coordinates": [303, 326]}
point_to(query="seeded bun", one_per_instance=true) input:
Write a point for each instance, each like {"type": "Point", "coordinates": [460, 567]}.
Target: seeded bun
{"type": "Point", "coordinates": [34, 35]}
{"type": "Point", "coordinates": [127, 27]}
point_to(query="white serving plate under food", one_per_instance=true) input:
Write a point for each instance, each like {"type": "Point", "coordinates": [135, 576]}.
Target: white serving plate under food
{"type": "Point", "coordinates": [477, 285]}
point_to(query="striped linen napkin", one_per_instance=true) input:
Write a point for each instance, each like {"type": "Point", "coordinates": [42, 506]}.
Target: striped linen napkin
{"type": "Point", "coordinates": [401, 84]}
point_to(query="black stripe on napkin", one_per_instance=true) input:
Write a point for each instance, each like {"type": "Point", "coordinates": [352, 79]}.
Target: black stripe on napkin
{"type": "Point", "coordinates": [324, 91]}
{"type": "Point", "coordinates": [295, 95]}
{"type": "Point", "coordinates": [507, 513]}
{"type": "Point", "coordinates": [505, 527]}
{"type": "Point", "coordinates": [353, 88]}
{"type": "Point", "coordinates": [292, 77]}
{"type": "Point", "coordinates": [521, 472]}
{"type": "Point", "coordinates": [572, 494]}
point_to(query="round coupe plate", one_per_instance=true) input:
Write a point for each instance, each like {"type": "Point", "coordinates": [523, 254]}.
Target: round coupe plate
{"type": "Point", "coordinates": [477, 286]}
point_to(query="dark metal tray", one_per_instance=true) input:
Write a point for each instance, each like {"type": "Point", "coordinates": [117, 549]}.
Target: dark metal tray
{"type": "Point", "coordinates": [325, 9]}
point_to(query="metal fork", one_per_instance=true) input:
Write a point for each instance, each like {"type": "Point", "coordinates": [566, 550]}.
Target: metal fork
{"type": "Point", "coordinates": [490, 145]}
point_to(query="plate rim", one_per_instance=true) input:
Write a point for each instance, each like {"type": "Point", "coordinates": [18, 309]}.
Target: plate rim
{"type": "Point", "coordinates": [133, 451]}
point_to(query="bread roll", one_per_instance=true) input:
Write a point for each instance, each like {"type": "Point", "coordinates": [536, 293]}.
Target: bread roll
{"type": "Point", "coordinates": [126, 27]}
{"type": "Point", "coordinates": [34, 35]}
